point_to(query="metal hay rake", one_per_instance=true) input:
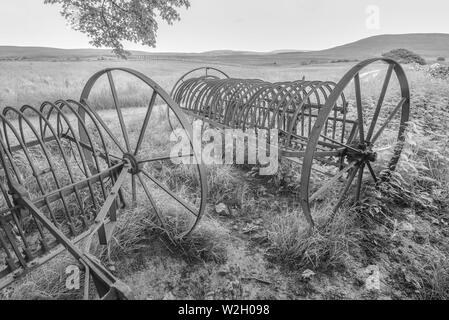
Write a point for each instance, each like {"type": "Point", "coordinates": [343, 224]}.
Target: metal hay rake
{"type": "Point", "coordinates": [334, 138]}
{"type": "Point", "coordinates": [67, 171]}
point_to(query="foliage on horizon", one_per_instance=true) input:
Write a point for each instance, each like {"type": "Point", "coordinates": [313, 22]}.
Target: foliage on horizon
{"type": "Point", "coordinates": [110, 22]}
{"type": "Point", "coordinates": [404, 56]}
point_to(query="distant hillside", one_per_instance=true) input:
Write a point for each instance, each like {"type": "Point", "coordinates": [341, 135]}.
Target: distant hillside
{"type": "Point", "coordinates": [429, 45]}
{"type": "Point", "coordinates": [289, 51]}
{"type": "Point", "coordinates": [53, 53]}
{"type": "Point", "coordinates": [234, 52]}
{"type": "Point", "coordinates": [226, 52]}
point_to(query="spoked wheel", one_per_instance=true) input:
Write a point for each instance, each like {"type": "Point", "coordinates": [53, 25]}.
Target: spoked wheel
{"type": "Point", "coordinates": [169, 184]}
{"type": "Point", "coordinates": [364, 141]}
{"type": "Point", "coordinates": [203, 73]}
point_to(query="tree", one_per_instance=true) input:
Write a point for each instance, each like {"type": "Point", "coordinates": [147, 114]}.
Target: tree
{"type": "Point", "coordinates": [110, 22]}
{"type": "Point", "coordinates": [404, 56]}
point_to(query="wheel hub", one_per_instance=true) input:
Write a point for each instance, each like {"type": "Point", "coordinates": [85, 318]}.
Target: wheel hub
{"type": "Point", "coordinates": [364, 153]}
{"type": "Point", "coordinates": [136, 167]}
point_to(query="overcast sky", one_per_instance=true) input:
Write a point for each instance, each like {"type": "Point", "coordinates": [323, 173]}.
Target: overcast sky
{"type": "Point", "coordinates": [256, 25]}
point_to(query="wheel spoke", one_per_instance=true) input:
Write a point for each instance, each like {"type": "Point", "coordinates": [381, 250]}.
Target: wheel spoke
{"type": "Point", "coordinates": [134, 189]}
{"type": "Point", "coordinates": [341, 144]}
{"type": "Point", "coordinates": [353, 134]}
{"type": "Point", "coordinates": [346, 189]}
{"type": "Point", "coordinates": [380, 103]}
{"type": "Point", "coordinates": [170, 193]}
{"type": "Point", "coordinates": [106, 128]}
{"type": "Point", "coordinates": [359, 182]}
{"type": "Point", "coordinates": [153, 203]}
{"type": "Point", "coordinates": [119, 111]}
{"type": "Point", "coordinates": [145, 122]}
{"type": "Point", "coordinates": [358, 95]}
{"type": "Point", "coordinates": [390, 117]}
{"type": "Point", "coordinates": [163, 158]}
{"type": "Point", "coordinates": [331, 182]}
{"type": "Point", "coordinates": [371, 170]}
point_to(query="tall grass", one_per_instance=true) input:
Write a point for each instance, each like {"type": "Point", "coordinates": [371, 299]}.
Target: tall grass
{"type": "Point", "coordinates": [24, 82]}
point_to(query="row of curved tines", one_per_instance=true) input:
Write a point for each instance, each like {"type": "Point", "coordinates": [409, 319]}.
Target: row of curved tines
{"type": "Point", "coordinates": [291, 107]}
{"type": "Point", "coordinates": [41, 150]}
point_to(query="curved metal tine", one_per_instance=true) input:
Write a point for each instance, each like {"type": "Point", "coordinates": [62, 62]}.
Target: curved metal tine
{"type": "Point", "coordinates": [146, 121]}
{"type": "Point", "coordinates": [84, 168]}
{"type": "Point", "coordinates": [359, 182]}
{"type": "Point", "coordinates": [371, 170]}
{"type": "Point", "coordinates": [49, 126]}
{"type": "Point", "coordinates": [15, 218]}
{"type": "Point", "coordinates": [331, 182]}
{"type": "Point", "coordinates": [119, 111]}
{"type": "Point", "coordinates": [36, 175]}
{"type": "Point", "coordinates": [380, 102]}
{"type": "Point", "coordinates": [65, 104]}
{"type": "Point", "coordinates": [169, 192]}
{"type": "Point", "coordinates": [153, 203]}
{"type": "Point", "coordinates": [9, 255]}
{"type": "Point", "coordinates": [49, 161]}
{"type": "Point", "coordinates": [358, 96]}
{"type": "Point", "coordinates": [18, 176]}
{"type": "Point", "coordinates": [390, 117]}
{"type": "Point", "coordinates": [346, 189]}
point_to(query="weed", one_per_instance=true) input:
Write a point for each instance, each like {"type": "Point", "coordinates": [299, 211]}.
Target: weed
{"type": "Point", "coordinates": [327, 248]}
{"type": "Point", "coordinates": [138, 229]}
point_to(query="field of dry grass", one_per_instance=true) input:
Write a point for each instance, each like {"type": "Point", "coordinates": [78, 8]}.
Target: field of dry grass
{"type": "Point", "coordinates": [258, 249]}
{"type": "Point", "coordinates": [33, 82]}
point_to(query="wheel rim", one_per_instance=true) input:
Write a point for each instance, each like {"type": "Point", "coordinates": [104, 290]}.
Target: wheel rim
{"type": "Point", "coordinates": [202, 72]}
{"type": "Point", "coordinates": [363, 145]}
{"type": "Point", "coordinates": [175, 192]}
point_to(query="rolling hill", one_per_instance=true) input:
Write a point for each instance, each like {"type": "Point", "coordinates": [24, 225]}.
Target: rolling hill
{"type": "Point", "coordinates": [430, 46]}
{"type": "Point", "coordinates": [53, 53]}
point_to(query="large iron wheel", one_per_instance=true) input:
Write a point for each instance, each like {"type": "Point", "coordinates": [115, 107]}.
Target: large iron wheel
{"type": "Point", "coordinates": [176, 192]}
{"type": "Point", "coordinates": [371, 140]}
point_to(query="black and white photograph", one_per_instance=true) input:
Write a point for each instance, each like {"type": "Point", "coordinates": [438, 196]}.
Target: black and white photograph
{"type": "Point", "coordinates": [216, 157]}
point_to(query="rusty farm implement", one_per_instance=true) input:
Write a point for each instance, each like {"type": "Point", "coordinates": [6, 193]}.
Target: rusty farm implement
{"type": "Point", "coordinates": [338, 136]}
{"type": "Point", "coordinates": [67, 172]}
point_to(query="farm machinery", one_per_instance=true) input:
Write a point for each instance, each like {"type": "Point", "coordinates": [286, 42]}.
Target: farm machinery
{"type": "Point", "coordinates": [67, 173]}
{"type": "Point", "coordinates": [330, 130]}
{"type": "Point", "coordinates": [69, 170]}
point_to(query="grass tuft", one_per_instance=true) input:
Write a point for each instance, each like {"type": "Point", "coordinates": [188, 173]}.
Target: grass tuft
{"type": "Point", "coordinates": [138, 229]}
{"type": "Point", "coordinates": [327, 248]}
